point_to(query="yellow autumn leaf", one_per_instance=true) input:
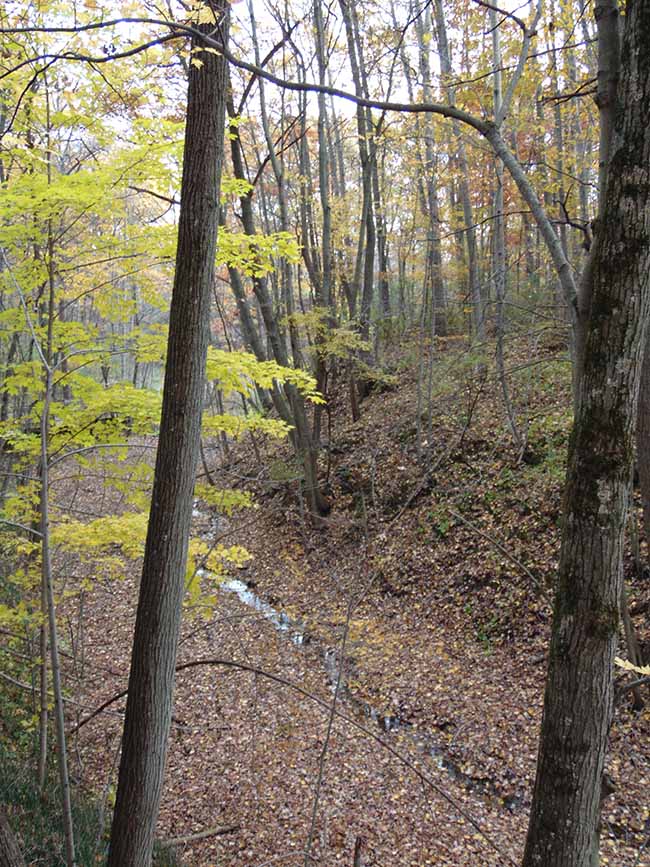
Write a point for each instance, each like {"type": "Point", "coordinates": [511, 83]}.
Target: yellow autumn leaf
{"type": "Point", "coordinates": [205, 15]}
{"type": "Point", "coordinates": [629, 666]}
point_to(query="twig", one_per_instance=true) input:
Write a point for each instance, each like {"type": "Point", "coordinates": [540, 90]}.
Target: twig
{"type": "Point", "coordinates": [96, 447]}
{"type": "Point", "coordinates": [155, 195]}
{"type": "Point", "coordinates": [21, 527]}
{"type": "Point", "coordinates": [583, 227]}
{"type": "Point", "coordinates": [540, 589]}
{"type": "Point", "coordinates": [328, 733]}
{"type": "Point", "coordinates": [201, 835]}
{"type": "Point", "coordinates": [623, 688]}
{"type": "Point", "coordinates": [521, 24]}
{"type": "Point", "coordinates": [579, 91]}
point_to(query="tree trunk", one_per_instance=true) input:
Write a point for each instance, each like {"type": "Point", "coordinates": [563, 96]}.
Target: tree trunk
{"type": "Point", "coordinates": [563, 830]}
{"type": "Point", "coordinates": [478, 318]}
{"type": "Point", "coordinates": [47, 581]}
{"type": "Point", "coordinates": [293, 408]}
{"type": "Point", "coordinates": [433, 266]}
{"type": "Point", "coordinates": [367, 233]}
{"type": "Point", "coordinates": [151, 682]}
{"type": "Point", "coordinates": [643, 440]}
{"type": "Point", "coordinates": [499, 249]}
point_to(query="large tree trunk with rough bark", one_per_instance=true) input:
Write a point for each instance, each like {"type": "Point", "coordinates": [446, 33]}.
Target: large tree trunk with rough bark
{"type": "Point", "coordinates": [643, 441]}
{"type": "Point", "coordinates": [564, 820]}
{"type": "Point", "coordinates": [151, 682]}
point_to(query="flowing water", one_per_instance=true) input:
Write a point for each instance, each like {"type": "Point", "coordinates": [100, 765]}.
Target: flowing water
{"type": "Point", "coordinates": [295, 632]}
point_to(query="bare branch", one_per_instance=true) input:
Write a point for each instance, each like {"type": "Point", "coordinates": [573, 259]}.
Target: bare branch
{"type": "Point", "coordinates": [201, 835]}
{"type": "Point", "coordinates": [180, 30]}
{"type": "Point", "coordinates": [541, 591]}
{"type": "Point", "coordinates": [510, 15]}
{"type": "Point", "coordinates": [580, 91]}
{"type": "Point", "coordinates": [155, 195]}
{"type": "Point", "coordinates": [21, 527]}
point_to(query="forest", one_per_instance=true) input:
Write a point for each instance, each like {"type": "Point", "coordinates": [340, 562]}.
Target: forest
{"type": "Point", "coordinates": [324, 433]}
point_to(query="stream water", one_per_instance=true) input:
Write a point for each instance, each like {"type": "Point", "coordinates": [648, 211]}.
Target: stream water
{"type": "Point", "coordinates": [425, 742]}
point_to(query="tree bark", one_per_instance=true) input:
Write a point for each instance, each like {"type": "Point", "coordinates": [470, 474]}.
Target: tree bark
{"type": "Point", "coordinates": [643, 440]}
{"type": "Point", "coordinates": [478, 318]}
{"type": "Point", "coordinates": [499, 247]}
{"type": "Point", "coordinates": [433, 265]}
{"type": "Point", "coordinates": [365, 263]}
{"type": "Point", "coordinates": [151, 681]}
{"type": "Point", "coordinates": [292, 409]}
{"type": "Point", "coordinates": [563, 830]}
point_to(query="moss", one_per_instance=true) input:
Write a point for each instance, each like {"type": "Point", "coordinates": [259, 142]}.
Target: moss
{"type": "Point", "coordinates": [603, 621]}
{"type": "Point", "coordinates": [600, 450]}
{"type": "Point", "coordinates": [567, 599]}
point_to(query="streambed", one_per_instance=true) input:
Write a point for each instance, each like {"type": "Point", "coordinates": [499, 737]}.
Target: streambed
{"type": "Point", "coordinates": [391, 725]}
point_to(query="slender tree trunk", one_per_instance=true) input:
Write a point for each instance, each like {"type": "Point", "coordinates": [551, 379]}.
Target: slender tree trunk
{"type": "Point", "coordinates": [438, 294]}
{"type": "Point", "coordinates": [47, 593]}
{"type": "Point", "coordinates": [367, 233]}
{"type": "Point", "coordinates": [158, 620]}
{"type": "Point", "coordinates": [632, 643]}
{"type": "Point", "coordinates": [499, 248]}
{"type": "Point", "coordinates": [306, 447]}
{"type": "Point", "coordinates": [277, 164]}
{"type": "Point", "coordinates": [478, 318]}
{"type": "Point", "coordinates": [563, 830]}
{"type": "Point", "coordinates": [376, 232]}
{"type": "Point", "coordinates": [47, 580]}
{"type": "Point", "coordinates": [609, 58]}
{"type": "Point", "coordinates": [43, 697]}
{"type": "Point", "coordinates": [324, 296]}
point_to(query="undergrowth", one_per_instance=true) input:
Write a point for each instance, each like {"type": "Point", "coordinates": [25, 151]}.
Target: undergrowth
{"type": "Point", "coordinates": [37, 823]}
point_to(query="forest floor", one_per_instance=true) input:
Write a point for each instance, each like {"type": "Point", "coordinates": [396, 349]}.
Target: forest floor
{"type": "Point", "coordinates": [425, 596]}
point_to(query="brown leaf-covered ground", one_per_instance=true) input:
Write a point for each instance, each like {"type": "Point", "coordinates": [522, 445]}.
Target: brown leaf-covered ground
{"type": "Point", "coordinates": [435, 569]}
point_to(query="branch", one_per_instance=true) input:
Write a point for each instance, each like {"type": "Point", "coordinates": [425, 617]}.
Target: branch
{"type": "Point", "coordinates": [511, 15]}
{"type": "Point", "coordinates": [529, 32]}
{"type": "Point", "coordinates": [553, 244]}
{"type": "Point", "coordinates": [53, 58]}
{"type": "Point", "coordinates": [155, 195]}
{"type": "Point", "coordinates": [30, 84]}
{"type": "Point", "coordinates": [583, 227]}
{"type": "Point", "coordinates": [623, 688]}
{"type": "Point", "coordinates": [86, 58]}
{"type": "Point", "coordinates": [21, 527]}
{"type": "Point", "coordinates": [286, 37]}
{"type": "Point", "coordinates": [539, 588]}
{"type": "Point", "coordinates": [328, 734]}
{"type": "Point", "coordinates": [84, 449]}
{"type": "Point", "coordinates": [179, 30]}
{"type": "Point", "coordinates": [200, 835]}
{"type": "Point", "coordinates": [489, 130]}
{"type": "Point", "coordinates": [578, 92]}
